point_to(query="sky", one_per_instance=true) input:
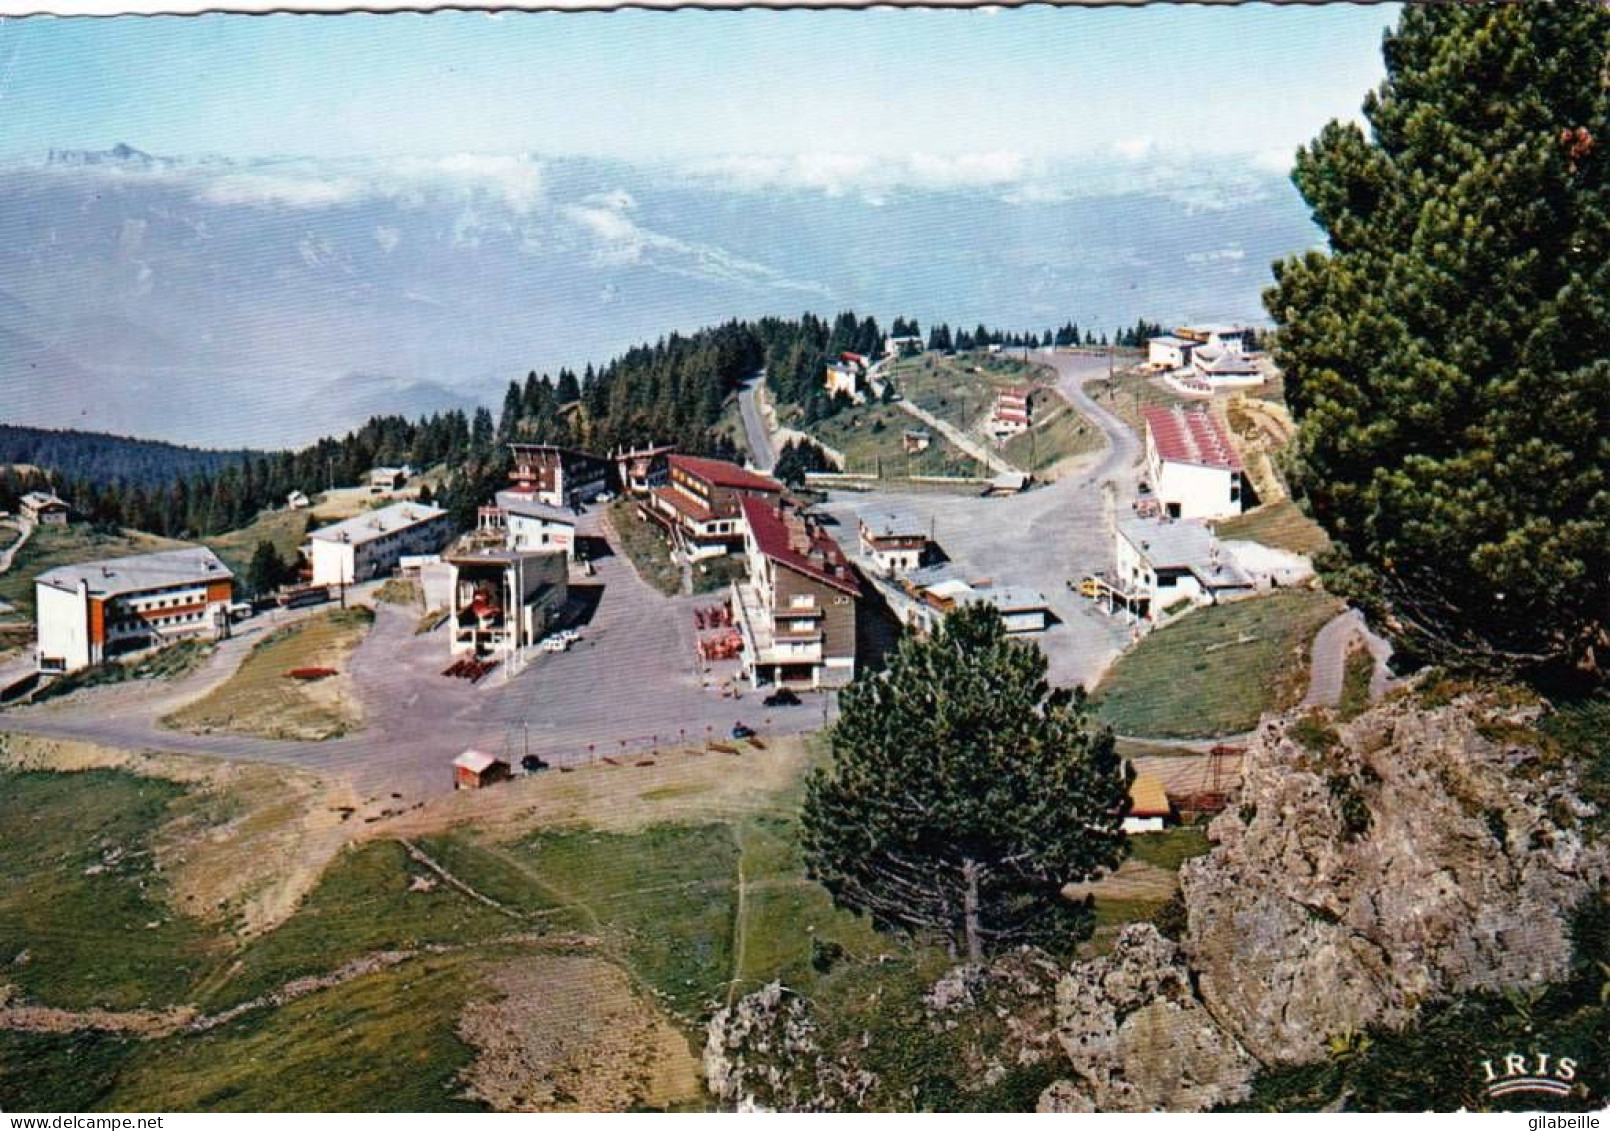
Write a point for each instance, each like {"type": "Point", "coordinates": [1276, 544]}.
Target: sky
{"type": "Point", "coordinates": [964, 90]}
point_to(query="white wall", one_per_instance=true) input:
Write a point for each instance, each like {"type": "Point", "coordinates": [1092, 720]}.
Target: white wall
{"type": "Point", "coordinates": [1201, 492]}
{"type": "Point", "coordinates": [528, 533]}
{"type": "Point", "coordinates": [333, 562]}
{"type": "Point", "coordinates": [63, 622]}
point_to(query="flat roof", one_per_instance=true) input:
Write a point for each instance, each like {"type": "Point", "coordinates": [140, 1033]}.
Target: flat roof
{"type": "Point", "coordinates": [1171, 340]}
{"type": "Point", "coordinates": [1013, 598]}
{"type": "Point", "coordinates": [368, 526]}
{"type": "Point", "coordinates": [528, 506]}
{"type": "Point", "coordinates": [894, 524]}
{"type": "Point", "coordinates": [112, 577]}
{"type": "Point", "coordinates": [1191, 435]}
{"type": "Point", "coordinates": [499, 557]}
{"type": "Point", "coordinates": [1183, 544]}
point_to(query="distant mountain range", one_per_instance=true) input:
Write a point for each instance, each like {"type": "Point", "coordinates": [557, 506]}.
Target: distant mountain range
{"type": "Point", "coordinates": [264, 303]}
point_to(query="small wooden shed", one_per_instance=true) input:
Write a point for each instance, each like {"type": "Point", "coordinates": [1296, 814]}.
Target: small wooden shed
{"type": "Point", "coordinates": [475, 770]}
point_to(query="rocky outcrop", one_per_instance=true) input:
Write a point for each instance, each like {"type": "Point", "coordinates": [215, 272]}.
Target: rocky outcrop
{"type": "Point", "coordinates": [763, 1053]}
{"type": "Point", "coordinates": [1411, 855]}
{"type": "Point", "coordinates": [1138, 1037]}
{"type": "Point", "coordinates": [1415, 854]}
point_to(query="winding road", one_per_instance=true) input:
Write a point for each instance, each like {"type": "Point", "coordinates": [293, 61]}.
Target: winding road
{"type": "Point", "coordinates": [762, 453]}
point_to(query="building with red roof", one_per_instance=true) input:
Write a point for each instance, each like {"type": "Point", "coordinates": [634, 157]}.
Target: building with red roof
{"type": "Point", "coordinates": [699, 503]}
{"type": "Point", "coordinates": [1192, 465]}
{"type": "Point", "coordinates": [796, 610]}
{"type": "Point", "coordinates": [1012, 411]}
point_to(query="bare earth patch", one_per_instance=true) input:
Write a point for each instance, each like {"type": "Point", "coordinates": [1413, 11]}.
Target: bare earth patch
{"type": "Point", "coordinates": [682, 786]}
{"type": "Point", "coordinates": [570, 1033]}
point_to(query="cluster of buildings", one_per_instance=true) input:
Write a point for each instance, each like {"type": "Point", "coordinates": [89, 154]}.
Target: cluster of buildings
{"type": "Point", "coordinates": [1205, 359]}
{"type": "Point", "coordinates": [700, 504]}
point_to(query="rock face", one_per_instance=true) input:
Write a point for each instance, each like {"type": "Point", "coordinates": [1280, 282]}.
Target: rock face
{"type": "Point", "coordinates": [1138, 1037]}
{"type": "Point", "coordinates": [1416, 853]}
{"type": "Point", "coordinates": [762, 1053]}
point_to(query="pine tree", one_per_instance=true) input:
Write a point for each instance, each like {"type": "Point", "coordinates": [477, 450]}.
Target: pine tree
{"type": "Point", "coordinates": [267, 571]}
{"type": "Point", "coordinates": [964, 793]}
{"type": "Point", "coordinates": [1446, 359]}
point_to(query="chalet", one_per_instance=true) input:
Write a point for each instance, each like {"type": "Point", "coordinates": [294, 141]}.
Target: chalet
{"type": "Point", "coordinates": [528, 524]}
{"type": "Point", "coordinates": [370, 545]}
{"type": "Point", "coordinates": [93, 611]}
{"type": "Point", "coordinates": [500, 601]}
{"type": "Point", "coordinates": [894, 541]}
{"type": "Point", "coordinates": [43, 509]}
{"type": "Point", "coordinates": [640, 470]}
{"type": "Point", "coordinates": [1149, 807]}
{"type": "Point", "coordinates": [902, 345]}
{"type": "Point", "coordinates": [560, 477]}
{"type": "Point", "coordinates": [918, 440]}
{"type": "Point", "coordinates": [475, 770]}
{"type": "Point", "coordinates": [297, 501]}
{"type": "Point", "coordinates": [700, 503]}
{"type": "Point", "coordinates": [1165, 567]}
{"type": "Point", "coordinates": [796, 610]}
{"type": "Point", "coordinates": [1011, 414]}
{"type": "Point", "coordinates": [1193, 469]}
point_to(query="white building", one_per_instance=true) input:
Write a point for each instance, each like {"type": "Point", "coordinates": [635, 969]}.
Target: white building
{"type": "Point", "coordinates": [1221, 336]}
{"type": "Point", "coordinates": [297, 501]}
{"type": "Point", "coordinates": [1169, 352]}
{"type": "Point", "coordinates": [1192, 467]}
{"type": "Point", "coordinates": [371, 544]}
{"type": "Point", "coordinates": [902, 345]}
{"type": "Point", "coordinates": [843, 377]}
{"type": "Point", "coordinates": [1011, 415]}
{"type": "Point", "coordinates": [93, 611]}
{"type": "Point", "coordinates": [1164, 567]}
{"type": "Point", "coordinates": [528, 524]}
{"type": "Point", "coordinates": [894, 541]}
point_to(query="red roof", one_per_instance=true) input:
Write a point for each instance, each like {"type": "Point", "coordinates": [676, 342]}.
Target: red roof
{"type": "Point", "coordinates": [787, 539]}
{"type": "Point", "coordinates": [1191, 435]}
{"type": "Point", "coordinates": [723, 474]}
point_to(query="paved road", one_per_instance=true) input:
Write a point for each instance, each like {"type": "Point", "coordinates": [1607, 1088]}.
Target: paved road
{"type": "Point", "coordinates": [633, 677]}
{"type": "Point", "coordinates": [1328, 659]}
{"type": "Point", "coordinates": [762, 452]}
{"type": "Point", "coordinates": [1040, 538]}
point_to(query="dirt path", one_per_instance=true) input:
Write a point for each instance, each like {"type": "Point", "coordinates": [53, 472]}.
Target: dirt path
{"type": "Point", "coordinates": [961, 440]}
{"type": "Point", "coordinates": [24, 530]}
{"type": "Point", "coordinates": [740, 919]}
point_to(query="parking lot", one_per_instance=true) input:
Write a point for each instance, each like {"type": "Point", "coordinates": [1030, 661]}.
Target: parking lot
{"type": "Point", "coordinates": [1040, 539]}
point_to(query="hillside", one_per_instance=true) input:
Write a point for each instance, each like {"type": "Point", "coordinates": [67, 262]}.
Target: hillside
{"type": "Point", "coordinates": [104, 457]}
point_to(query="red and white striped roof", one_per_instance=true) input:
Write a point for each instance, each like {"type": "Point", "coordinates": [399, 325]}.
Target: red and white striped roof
{"type": "Point", "coordinates": [1191, 435]}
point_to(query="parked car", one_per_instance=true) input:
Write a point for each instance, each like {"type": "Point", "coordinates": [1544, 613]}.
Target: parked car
{"type": "Point", "coordinates": [782, 697]}
{"type": "Point", "coordinates": [240, 610]}
{"type": "Point", "coordinates": [553, 644]}
{"type": "Point", "coordinates": [740, 731]}
{"type": "Point", "coordinates": [531, 764]}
